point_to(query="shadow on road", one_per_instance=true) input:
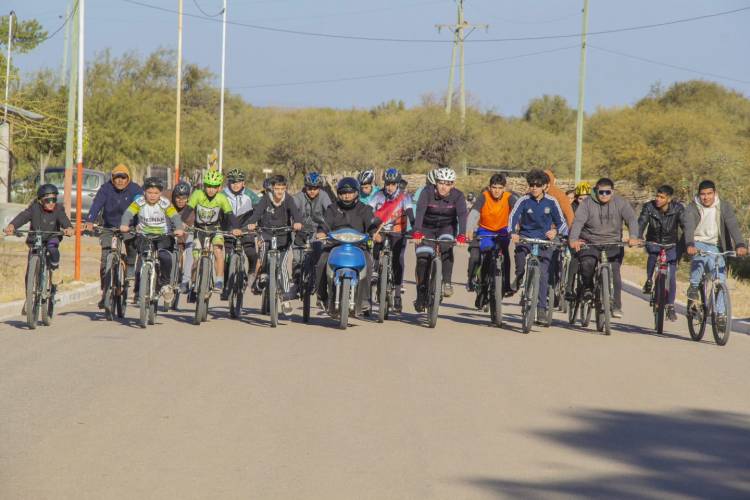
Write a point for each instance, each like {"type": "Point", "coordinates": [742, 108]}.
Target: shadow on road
{"type": "Point", "coordinates": [98, 316]}
{"type": "Point", "coordinates": [639, 330]}
{"type": "Point", "coordinates": [690, 454]}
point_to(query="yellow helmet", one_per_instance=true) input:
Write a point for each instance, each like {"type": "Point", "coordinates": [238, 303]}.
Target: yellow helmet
{"type": "Point", "coordinates": [583, 188]}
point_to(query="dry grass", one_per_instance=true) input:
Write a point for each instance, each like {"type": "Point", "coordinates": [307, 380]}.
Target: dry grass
{"type": "Point", "coordinates": [634, 269]}
{"type": "Point", "coordinates": [13, 254]}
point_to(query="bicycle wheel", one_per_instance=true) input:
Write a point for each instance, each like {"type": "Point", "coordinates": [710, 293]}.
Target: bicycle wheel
{"type": "Point", "coordinates": [564, 304]}
{"type": "Point", "coordinates": [232, 286]}
{"type": "Point", "coordinates": [344, 290]}
{"type": "Point", "coordinates": [32, 279]}
{"type": "Point", "coordinates": [239, 292]}
{"type": "Point", "coordinates": [121, 292]}
{"type": "Point", "coordinates": [383, 288]}
{"type": "Point", "coordinates": [496, 295]}
{"type": "Point", "coordinates": [603, 309]}
{"type": "Point", "coordinates": [697, 315]}
{"type": "Point", "coordinates": [660, 302]}
{"type": "Point", "coordinates": [435, 291]}
{"type": "Point", "coordinates": [530, 298]}
{"type": "Point", "coordinates": [201, 289]}
{"type": "Point", "coordinates": [572, 307]}
{"type": "Point", "coordinates": [273, 296]}
{"type": "Point", "coordinates": [721, 336]}
{"type": "Point", "coordinates": [209, 285]}
{"type": "Point", "coordinates": [47, 306]}
{"type": "Point", "coordinates": [109, 286]}
{"type": "Point", "coordinates": [551, 296]}
{"type": "Point", "coordinates": [143, 296]}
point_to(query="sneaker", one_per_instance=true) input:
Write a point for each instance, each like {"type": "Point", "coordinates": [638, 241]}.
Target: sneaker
{"type": "Point", "coordinates": [447, 290]}
{"type": "Point", "coordinates": [693, 293]}
{"type": "Point", "coordinates": [470, 286]}
{"type": "Point", "coordinates": [541, 316]}
{"type": "Point", "coordinates": [286, 308]}
{"type": "Point", "coordinates": [647, 287]}
{"type": "Point", "coordinates": [421, 302]}
{"type": "Point", "coordinates": [721, 322]}
{"type": "Point", "coordinates": [224, 294]}
{"type": "Point", "coordinates": [617, 313]}
{"type": "Point", "coordinates": [671, 313]}
{"type": "Point", "coordinates": [100, 304]}
{"type": "Point", "coordinates": [397, 306]}
{"type": "Point", "coordinates": [219, 285]}
{"type": "Point", "coordinates": [184, 288]}
{"type": "Point", "coordinates": [588, 295]}
{"type": "Point", "coordinates": [167, 293]}
{"type": "Point", "coordinates": [255, 287]}
{"type": "Point", "coordinates": [570, 296]}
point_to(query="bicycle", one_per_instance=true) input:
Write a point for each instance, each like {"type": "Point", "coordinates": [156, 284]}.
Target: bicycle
{"type": "Point", "coordinates": [489, 280]}
{"type": "Point", "coordinates": [305, 278]}
{"type": "Point", "coordinates": [384, 287]}
{"type": "Point", "coordinates": [532, 276]}
{"type": "Point", "coordinates": [237, 276]}
{"type": "Point", "coordinates": [272, 296]}
{"type": "Point", "coordinates": [712, 290]}
{"type": "Point", "coordinates": [148, 280]}
{"type": "Point", "coordinates": [40, 292]}
{"type": "Point", "coordinates": [660, 288]}
{"type": "Point", "coordinates": [560, 278]}
{"type": "Point", "coordinates": [435, 276]}
{"type": "Point", "coordinates": [603, 289]}
{"type": "Point", "coordinates": [178, 261]}
{"type": "Point", "coordinates": [203, 283]}
{"type": "Point", "coordinates": [115, 292]}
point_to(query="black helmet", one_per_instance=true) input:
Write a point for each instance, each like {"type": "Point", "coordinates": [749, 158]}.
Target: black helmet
{"type": "Point", "coordinates": [347, 185]}
{"type": "Point", "coordinates": [235, 175]}
{"type": "Point", "coordinates": [391, 176]}
{"type": "Point", "coordinates": [181, 189]}
{"type": "Point", "coordinates": [46, 189]}
{"type": "Point", "coordinates": [153, 182]}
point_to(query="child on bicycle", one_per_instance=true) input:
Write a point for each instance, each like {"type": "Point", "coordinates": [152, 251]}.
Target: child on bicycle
{"type": "Point", "coordinates": [710, 225]}
{"type": "Point", "coordinates": [156, 215]}
{"type": "Point", "coordinates": [393, 206]}
{"type": "Point", "coordinates": [45, 214]}
{"type": "Point", "coordinates": [275, 210]}
{"type": "Point", "coordinates": [488, 226]}
{"type": "Point", "coordinates": [661, 221]}
{"type": "Point", "coordinates": [536, 215]}
{"type": "Point", "coordinates": [212, 212]}
{"type": "Point", "coordinates": [243, 201]}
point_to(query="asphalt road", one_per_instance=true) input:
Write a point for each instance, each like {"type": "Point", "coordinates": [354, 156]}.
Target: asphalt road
{"type": "Point", "coordinates": [235, 409]}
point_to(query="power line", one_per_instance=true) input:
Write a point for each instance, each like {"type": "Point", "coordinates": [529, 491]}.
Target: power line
{"type": "Point", "coordinates": [425, 40]}
{"type": "Point", "coordinates": [667, 65]}
{"type": "Point", "coordinates": [206, 13]}
{"type": "Point", "coordinates": [65, 22]}
{"type": "Point", "coordinates": [401, 73]}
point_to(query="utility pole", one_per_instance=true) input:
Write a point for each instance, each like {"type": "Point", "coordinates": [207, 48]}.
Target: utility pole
{"type": "Point", "coordinates": [223, 72]}
{"type": "Point", "coordinates": [66, 46]}
{"type": "Point", "coordinates": [459, 36]}
{"type": "Point", "coordinates": [11, 16]}
{"type": "Point", "coordinates": [581, 89]}
{"type": "Point", "coordinates": [179, 97]}
{"type": "Point", "coordinates": [69, 134]}
{"type": "Point", "coordinates": [79, 160]}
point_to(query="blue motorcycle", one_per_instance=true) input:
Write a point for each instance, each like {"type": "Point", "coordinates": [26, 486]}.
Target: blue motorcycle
{"type": "Point", "coordinates": [346, 269]}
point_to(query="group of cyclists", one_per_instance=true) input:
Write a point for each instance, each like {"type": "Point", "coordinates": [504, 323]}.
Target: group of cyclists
{"type": "Point", "coordinates": [560, 239]}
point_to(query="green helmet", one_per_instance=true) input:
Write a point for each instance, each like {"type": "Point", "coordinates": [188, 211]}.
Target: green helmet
{"type": "Point", "coordinates": [213, 178]}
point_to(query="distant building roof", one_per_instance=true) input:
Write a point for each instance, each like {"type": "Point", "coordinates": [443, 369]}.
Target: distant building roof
{"type": "Point", "coordinates": [23, 113]}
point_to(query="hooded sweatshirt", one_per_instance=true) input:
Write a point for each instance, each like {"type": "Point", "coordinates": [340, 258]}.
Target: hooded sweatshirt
{"type": "Point", "coordinates": [598, 223]}
{"type": "Point", "coordinates": [707, 230]}
{"type": "Point", "coordinates": [561, 197]}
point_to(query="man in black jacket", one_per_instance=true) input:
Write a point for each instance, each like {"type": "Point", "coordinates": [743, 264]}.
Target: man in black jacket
{"type": "Point", "coordinates": [661, 221]}
{"type": "Point", "coordinates": [346, 212]}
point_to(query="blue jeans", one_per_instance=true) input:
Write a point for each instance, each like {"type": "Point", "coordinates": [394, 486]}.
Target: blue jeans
{"type": "Point", "coordinates": [705, 264]}
{"type": "Point", "coordinates": [653, 255]}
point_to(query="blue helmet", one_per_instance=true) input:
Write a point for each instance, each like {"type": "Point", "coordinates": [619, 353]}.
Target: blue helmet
{"type": "Point", "coordinates": [391, 176]}
{"type": "Point", "coordinates": [313, 179]}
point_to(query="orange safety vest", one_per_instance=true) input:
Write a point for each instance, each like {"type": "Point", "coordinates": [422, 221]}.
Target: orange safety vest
{"type": "Point", "coordinates": [494, 213]}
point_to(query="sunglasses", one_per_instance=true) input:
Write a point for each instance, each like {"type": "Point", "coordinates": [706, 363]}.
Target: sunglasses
{"type": "Point", "coordinates": [536, 185]}
{"type": "Point", "coordinates": [120, 176]}
{"type": "Point", "coordinates": [605, 192]}
{"type": "Point", "coordinates": [51, 199]}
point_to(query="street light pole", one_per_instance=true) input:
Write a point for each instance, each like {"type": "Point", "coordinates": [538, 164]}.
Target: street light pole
{"type": "Point", "coordinates": [79, 159]}
{"type": "Point", "coordinates": [11, 16]}
{"type": "Point", "coordinates": [581, 89]}
{"type": "Point", "coordinates": [223, 71]}
{"type": "Point", "coordinates": [179, 97]}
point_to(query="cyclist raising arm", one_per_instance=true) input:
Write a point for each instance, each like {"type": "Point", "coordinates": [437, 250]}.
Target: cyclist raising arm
{"type": "Point", "coordinates": [710, 226]}
{"type": "Point", "coordinates": [598, 220]}
{"type": "Point", "coordinates": [441, 210]}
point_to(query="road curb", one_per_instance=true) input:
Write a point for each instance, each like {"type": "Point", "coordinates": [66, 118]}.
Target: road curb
{"type": "Point", "coordinates": [680, 307]}
{"type": "Point", "coordinates": [12, 309]}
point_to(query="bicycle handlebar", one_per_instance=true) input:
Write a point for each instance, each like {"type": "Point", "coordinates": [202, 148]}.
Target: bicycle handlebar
{"type": "Point", "coordinates": [536, 241]}
{"type": "Point", "coordinates": [729, 253]}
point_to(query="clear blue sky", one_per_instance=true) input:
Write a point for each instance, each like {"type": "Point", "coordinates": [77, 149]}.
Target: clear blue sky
{"type": "Point", "coordinates": [717, 45]}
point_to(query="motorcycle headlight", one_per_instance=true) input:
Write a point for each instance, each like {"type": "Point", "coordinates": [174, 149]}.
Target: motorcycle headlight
{"type": "Point", "coordinates": [348, 237]}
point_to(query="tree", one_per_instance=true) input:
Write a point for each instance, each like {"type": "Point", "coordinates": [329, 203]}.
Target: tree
{"type": "Point", "coordinates": [551, 113]}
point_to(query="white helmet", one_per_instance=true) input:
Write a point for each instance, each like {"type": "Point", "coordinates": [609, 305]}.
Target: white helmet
{"type": "Point", "coordinates": [445, 174]}
{"type": "Point", "coordinates": [431, 177]}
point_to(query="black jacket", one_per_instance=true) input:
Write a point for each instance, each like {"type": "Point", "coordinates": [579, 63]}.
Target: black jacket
{"type": "Point", "coordinates": [360, 217]}
{"type": "Point", "coordinates": [434, 212]}
{"type": "Point", "coordinates": [662, 227]}
{"type": "Point", "coordinates": [55, 220]}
